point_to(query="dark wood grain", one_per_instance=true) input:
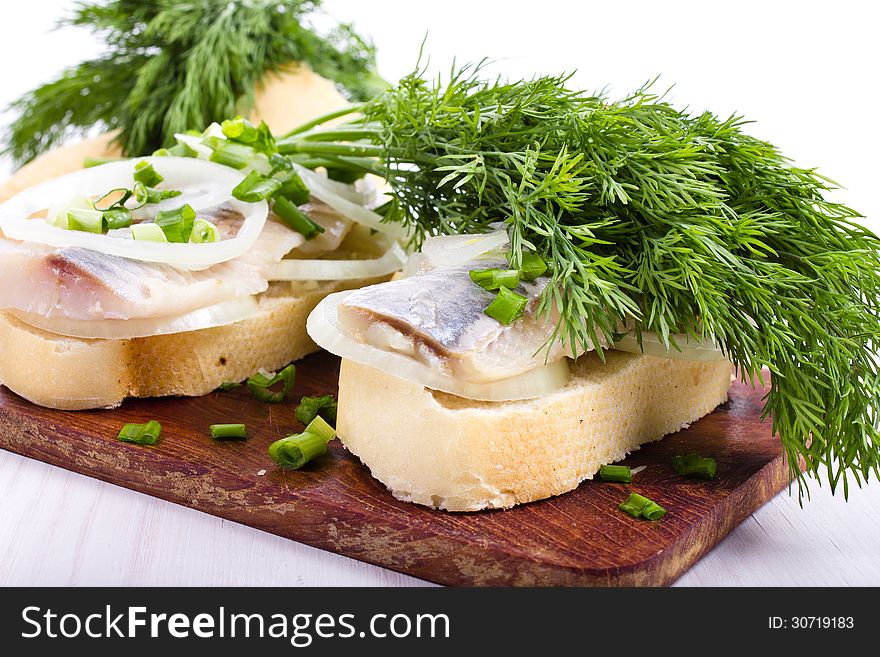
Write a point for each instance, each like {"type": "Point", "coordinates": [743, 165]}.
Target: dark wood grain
{"type": "Point", "coordinates": [575, 539]}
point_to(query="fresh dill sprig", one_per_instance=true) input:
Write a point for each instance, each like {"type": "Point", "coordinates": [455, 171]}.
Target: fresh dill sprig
{"type": "Point", "coordinates": [678, 222]}
{"type": "Point", "coordinates": [171, 66]}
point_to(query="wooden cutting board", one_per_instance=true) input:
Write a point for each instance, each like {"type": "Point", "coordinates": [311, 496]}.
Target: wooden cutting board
{"type": "Point", "coordinates": [576, 539]}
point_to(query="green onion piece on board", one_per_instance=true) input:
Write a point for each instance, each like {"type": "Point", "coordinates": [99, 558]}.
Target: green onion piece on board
{"type": "Point", "coordinates": [148, 233]}
{"type": "Point", "coordinates": [255, 188]}
{"type": "Point", "coordinates": [294, 452]}
{"type": "Point", "coordinates": [311, 407]}
{"type": "Point", "coordinates": [145, 173]}
{"type": "Point", "coordinates": [117, 218]}
{"type": "Point", "coordinates": [694, 465]}
{"type": "Point", "coordinates": [177, 224]}
{"type": "Point", "coordinates": [204, 232]}
{"type": "Point", "coordinates": [532, 267]}
{"type": "Point", "coordinates": [507, 307]}
{"type": "Point", "coordinates": [228, 432]}
{"type": "Point", "coordinates": [261, 385]}
{"type": "Point", "coordinates": [229, 153]}
{"type": "Point", "coordinates": [296, 218]}
{"type": "Point", "coordinates": [293, 188]}
{"type": "Point", "coordinates": [617, 473]}
{"type": "Point", "coordinates": [113, 199]}
{"type": "Point", "coordinates": [229, 385]}
{"type": "Point", "coordinates": [142, 434]}
{"type": "Point", "coordinates": [88, 221]}
{"type": "Point", "coordinates": [639, 506]}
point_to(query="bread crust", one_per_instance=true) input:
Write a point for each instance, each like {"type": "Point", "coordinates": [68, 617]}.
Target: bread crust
{"type": "Point", "coordinates": [450, 453]}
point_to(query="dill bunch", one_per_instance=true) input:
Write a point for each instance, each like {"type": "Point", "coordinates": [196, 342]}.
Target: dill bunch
{"type": "Point", "coordinates": [678, 222]}
{"type": "Point", "coordinates": [171, 66]}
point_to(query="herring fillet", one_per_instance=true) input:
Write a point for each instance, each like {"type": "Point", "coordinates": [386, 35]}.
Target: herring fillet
{"type": "Point", "coordinates": [86, 285]}
{"type": "Point", "coordinates": [436, 317]}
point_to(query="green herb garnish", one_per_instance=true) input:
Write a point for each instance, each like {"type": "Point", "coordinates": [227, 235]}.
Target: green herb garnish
{"type": "Point", "coordinates": [639, 506]}
{"type": "Point", "coordinates": [493, 279]}
{"type": "Point", "coordinates": [507, 307]}
{"type": "Point", "coordinates": [170, 66]}
{"type": "Point", "coordinates": [311, 407]}
{"type": "Point", "coordinates": [142, 434]}
{"type": "Point", "coordinates": [255, 188]}
{"type": "Point", "coordinates": [296, 218]}
{"type": "Point", "coordinates": [617, 473]}
{"type": "Point", "coordinates": [261, 385]}
{"type": "Point", "coordinates": [145, 174]}
{"type": "Point", "coordinates": [694, 465]}
{"type": "Point", "coordinates": [294, 452]}
{"type": "Point", "coordinates": [650, 216]}
{"type": "Point", "coordinates": [177, 224]}
{"type": "Point", "coordinates": [228, 385]}
{"type": "Point", "coordinates": [228, 432]}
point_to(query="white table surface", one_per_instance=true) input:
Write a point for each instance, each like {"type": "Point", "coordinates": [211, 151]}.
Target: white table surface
{"type": "Point", "coordinates": [804, 70]}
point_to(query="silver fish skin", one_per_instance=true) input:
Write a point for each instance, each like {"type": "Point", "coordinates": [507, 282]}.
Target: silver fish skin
{"type": "Point", "coordinates": [437, 318]}
{"type": "Point", "coordinates": [86, 285]}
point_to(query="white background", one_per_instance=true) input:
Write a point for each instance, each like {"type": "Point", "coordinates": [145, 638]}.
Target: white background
{"type": "Point", "coordinates": [804, 71]}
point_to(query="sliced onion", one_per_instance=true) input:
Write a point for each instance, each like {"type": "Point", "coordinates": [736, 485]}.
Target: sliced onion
{"type": "Point", "coordinates": [701, 350]}
{"type": "Point", "coordinates": [179, 172]}
{"type": "Point", "coordinates": [322, 328]}
{"type": "Point", "coordinates": [453, 250]}
{"type": "Point", "coordinates": [220, 314]}
{"type": "Point", "coordinates": [328, 191]}
{"type": "Point", "coordinates": [339, 270]}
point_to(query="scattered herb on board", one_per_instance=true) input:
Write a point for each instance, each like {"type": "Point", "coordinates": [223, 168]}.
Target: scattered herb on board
{"type": "Point", "coordinates": [261, 384]}
{"type": "Point", "coordinates": [311, 407]}
{"type": "Point", "coordinates": [616, 473]}
{"type": "Point", "coordinates": [141, 434]}
{"type": "Point", "coordinates": [170, 66]}
{"type": "Point", "coordinates": [639, 506]}
{"type": "Point", "coordinates": [677, 222]}
{"type": "Point", "coordinates": [229, 432]}
{"type": "Point", "coordinates": [694, 465]}
{"type": "Point", "coordinates": [293, 452]}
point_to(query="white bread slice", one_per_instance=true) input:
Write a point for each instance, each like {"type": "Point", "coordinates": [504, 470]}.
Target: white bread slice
{"type": "Point", "coordinates": [456, 454]}
{"type": "Point", "coordinates": [74, 374]}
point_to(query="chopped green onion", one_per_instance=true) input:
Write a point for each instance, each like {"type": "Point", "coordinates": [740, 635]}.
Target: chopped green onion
{"type": "Point", "coordinates": [161, 152]}
{"type": "Point", "coordinates": [229, 153]}
{"type": "Point", "coordinates": [146, 174]}
{"type": "Point", "coordinates": [507, 307]}
{"type": "Point", "coordinates": [113, 199]}
{"type": "Point", "coordinates": [296, 218]}
{"type": "Point", "coordinates": [177, 224]}
{"type": "Point", "coordinates": [228, 432]}
{"type": "Point", "coordinates": [117, 218]}
{"type": "Point", "coordinates": [347, 176]}
{"type": "Point", "coordinates": [280, 163]}
{"type": "Point", "coordinates": [148, 233]}
{"type": "Point", "coordinates": [142, 434]}
{"type": "Point", "coordinates": [146, 195]}
{"type": "Point", "coordinates": [89, 162]}
{"type": "Point", "coordinates": [618, 473]}
{"type": "Point", "coordinates": [312, 407]}
{"type": "Point", "coordinates": [260, 385]}
{"type": "Point", "coordinates": [493, 279]}
{"type": "Point", "coordinates": [294, 189]}
{"type": "Point", "coordinates": [88, 221]}
{"type": "Point", "coordinates": [241, 130]}
{"type": "Point", "coordinates": [229, 385]}
{"type": "Point", "coordinates": [204, 232]}
{"type": "Point", "coordinates": [639, 506]}
{"type": "Point", "coordinates": [255, 188]}
{"type": "Point", "coordinates": [182, 150]}
{"type": "Point", "coordinates": [532, 267]}
{"type": "Point", "coordinates": [294, 452]}
{"type": "Point", "coordinates": [694, 465]}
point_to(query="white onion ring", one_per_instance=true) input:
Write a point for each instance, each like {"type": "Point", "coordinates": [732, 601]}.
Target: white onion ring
{"type": "Point", "coordinates": [448, 251]}
{"type": "Point", "coordinates": [339, 270]}
{"type": "Point", "coordinates": [220, 314]}
{"type": "Point", "coordinates": [178, 171]}
{"type": "Point", "coordinates": [322, 328]}
{"type": "Point", "coordinates": [700, 350]}
{"type": "Point", "coordinates": [326, 190]}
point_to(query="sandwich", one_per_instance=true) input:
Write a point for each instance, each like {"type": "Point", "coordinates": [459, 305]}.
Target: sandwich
{"type": "Point", "coordinates": [591, 273]}
{"type": "Point", "coordinates": [175, 273]}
